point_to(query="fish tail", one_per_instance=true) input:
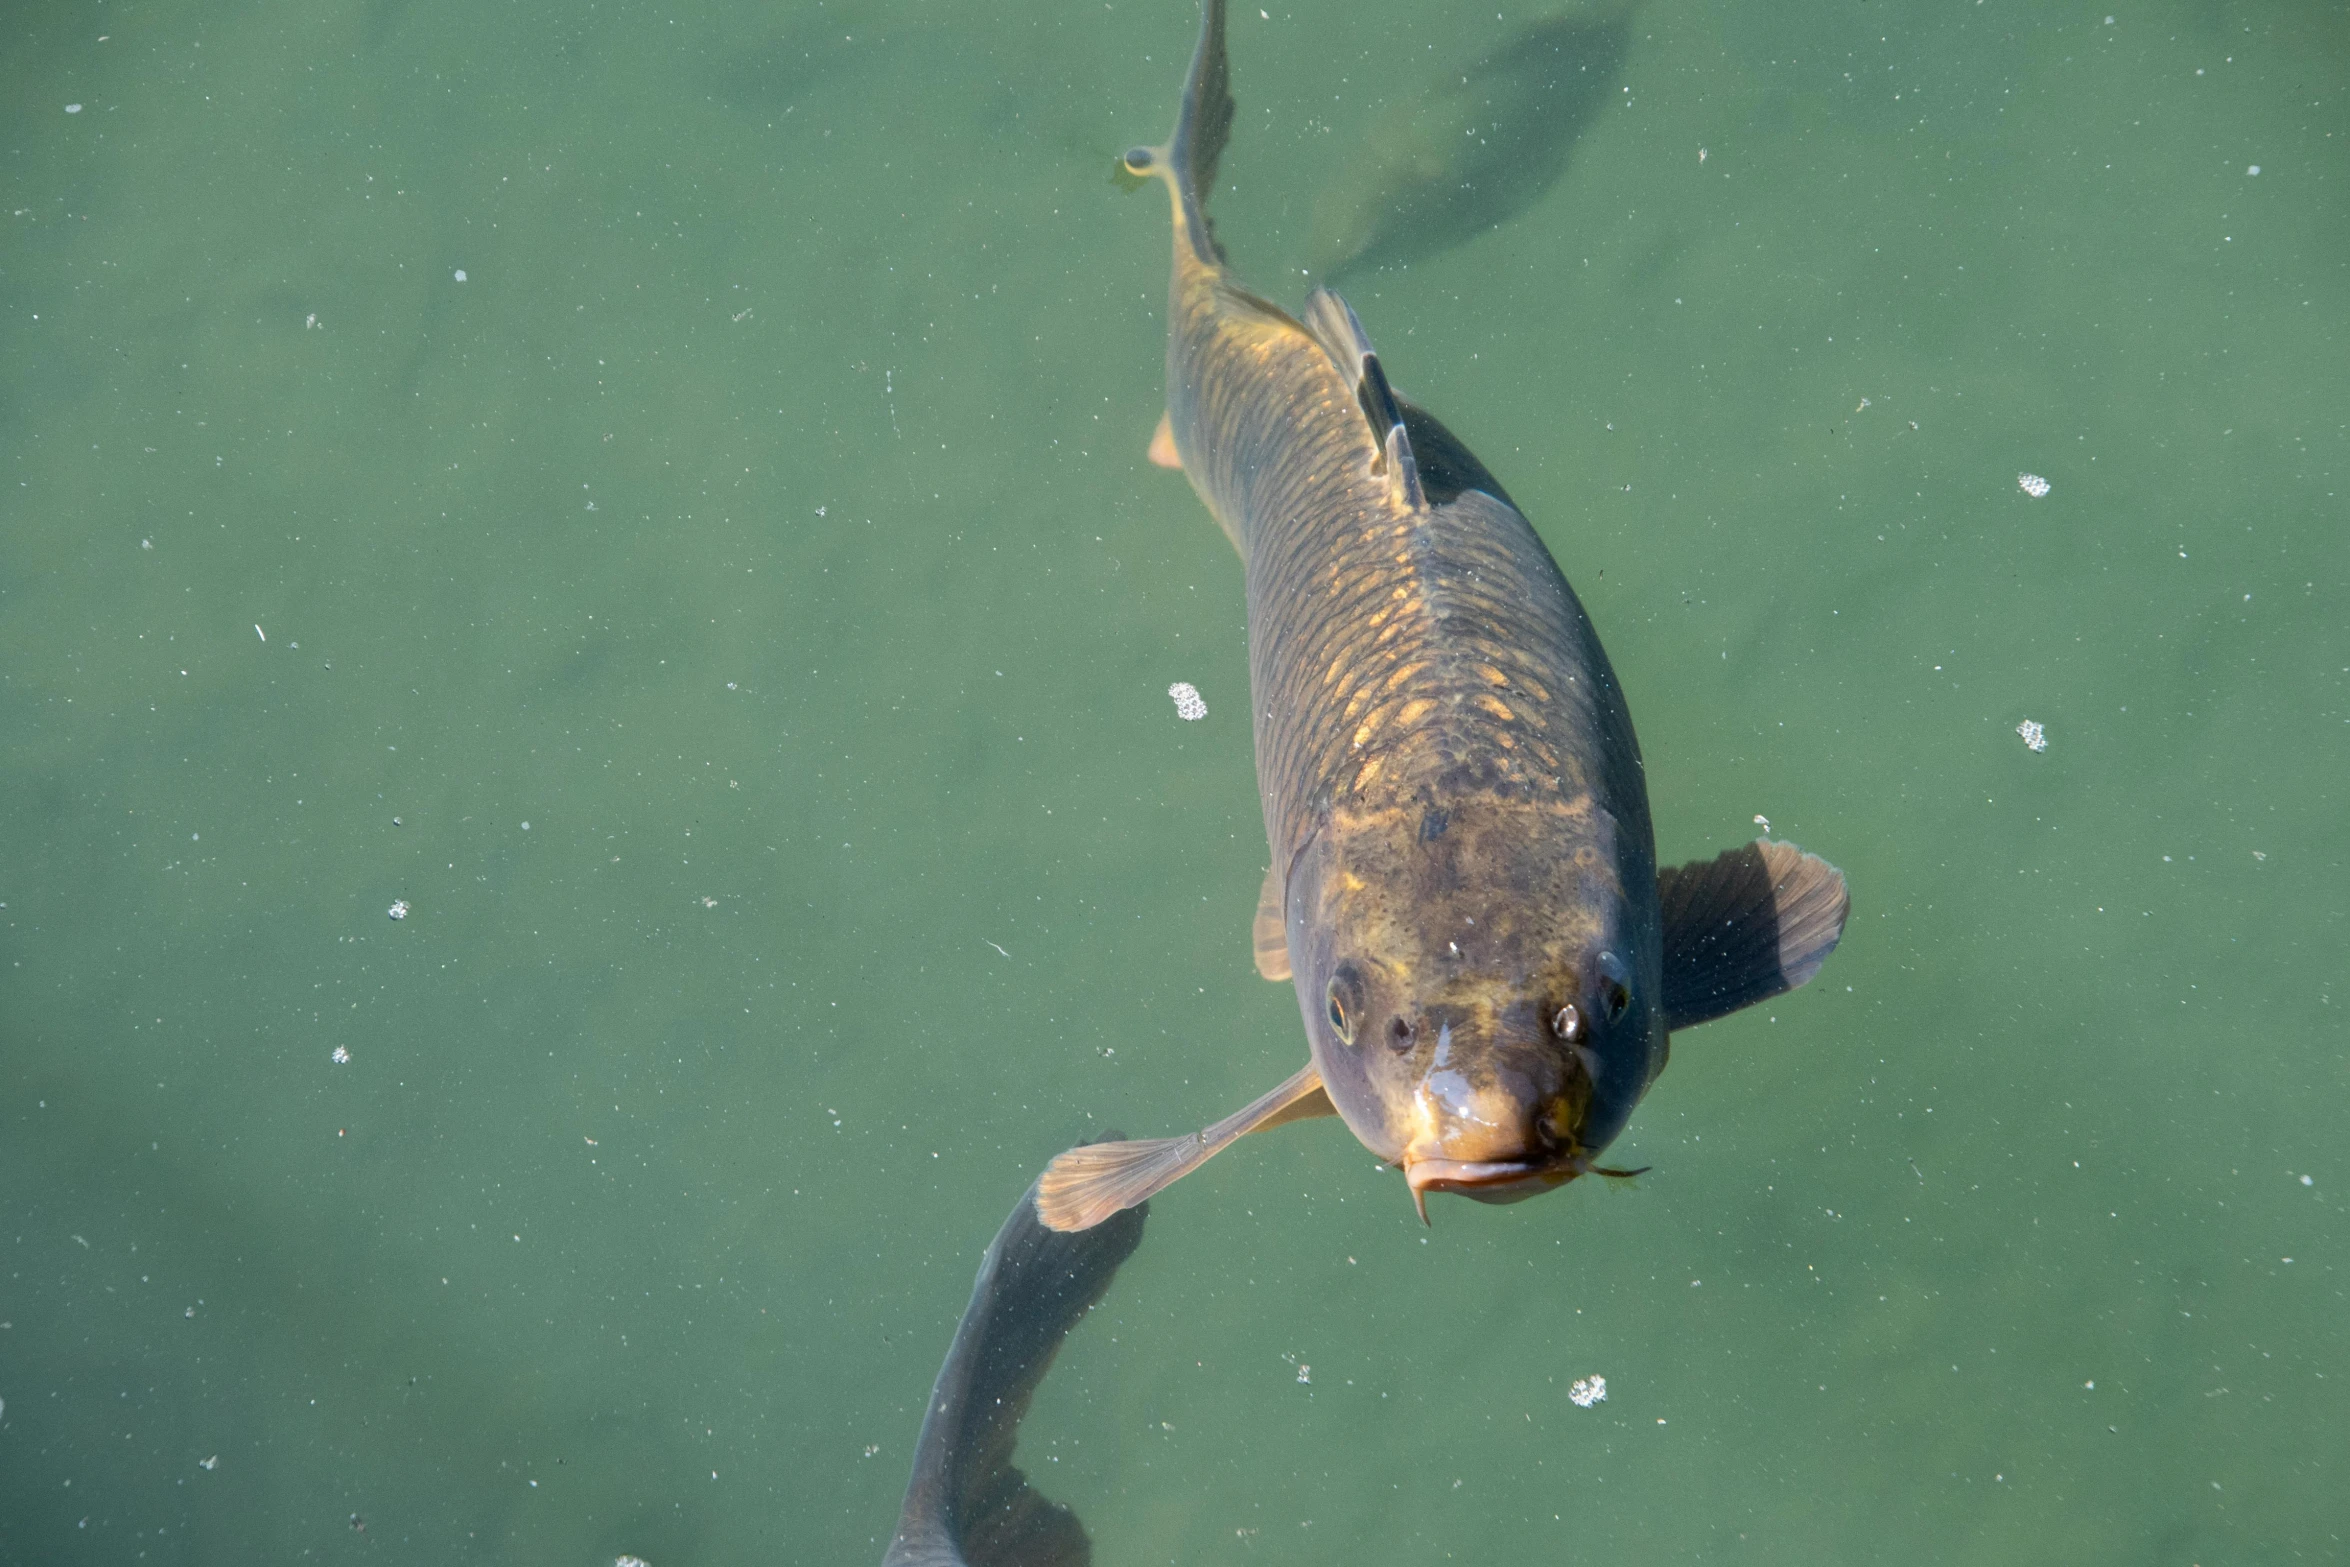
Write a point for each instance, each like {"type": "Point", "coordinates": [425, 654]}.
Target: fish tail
{"type": "Point", "coordinates": [1202, 127]}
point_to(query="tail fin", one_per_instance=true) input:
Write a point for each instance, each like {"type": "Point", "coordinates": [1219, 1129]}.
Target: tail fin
{"type": "Point", "coordinates": [1202, 126]}
{"type": "Point", "coordinates": [1205, 123]}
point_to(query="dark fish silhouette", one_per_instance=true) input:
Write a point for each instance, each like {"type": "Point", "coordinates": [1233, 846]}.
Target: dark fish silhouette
{"type": "Point", "coordinates": [1464, 886]}
{"type": "Point", "coordinates": [1481, 145]}
{"type": "Point", "coordinates": [966, 1505]}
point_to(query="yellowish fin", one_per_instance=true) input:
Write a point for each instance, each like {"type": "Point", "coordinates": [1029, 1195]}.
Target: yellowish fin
{"type": "Point", "coordinates": [1271, 932]}
{"type": "Point", "coordinates": [1088, 1184]}
{"type": "Point", "coordinates": [1163, 451]}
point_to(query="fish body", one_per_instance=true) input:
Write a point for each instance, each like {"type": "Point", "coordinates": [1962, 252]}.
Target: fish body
{"type": "Point", "coordinates": [1476, 148]}
{"type": "Point", "coordinates": [1463, 886]}
{"type": "Point", "coordinates": [966, 1504]}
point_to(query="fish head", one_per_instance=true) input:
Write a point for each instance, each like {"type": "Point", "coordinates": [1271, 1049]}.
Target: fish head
{"type": "Point", "coordinates": [1479, 983]}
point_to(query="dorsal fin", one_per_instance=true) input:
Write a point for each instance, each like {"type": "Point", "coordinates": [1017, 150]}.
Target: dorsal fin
{"type": "Point", "coordinates": [1340, 332]}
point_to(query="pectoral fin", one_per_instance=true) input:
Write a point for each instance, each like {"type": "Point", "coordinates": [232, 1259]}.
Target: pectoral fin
{"type": "Point", "coordinates": [1163, 451]}
{"type": "Point", "coordinates": [1086, 1185]}
{"type": "Point", "coordinates": [1755, 922]}
{"type": "Point", "coordinates": [1271, 932]}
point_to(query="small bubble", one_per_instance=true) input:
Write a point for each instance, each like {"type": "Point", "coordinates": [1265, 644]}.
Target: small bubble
{"type": "Point", "coordinates": [1188, 705]}
{"type": "Point", "coordinates": [2032, 484]}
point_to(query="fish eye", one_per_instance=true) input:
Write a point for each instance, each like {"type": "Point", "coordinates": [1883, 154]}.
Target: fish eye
{"type": "Point", "coordinates": [1138, 160]}
{"type": "Point", "coordinates": [1618, 1001]}
{"type": "Point", "coordinates": [1568, 1025]}
{"type": "Point", "coordinates": [1344, 1005]}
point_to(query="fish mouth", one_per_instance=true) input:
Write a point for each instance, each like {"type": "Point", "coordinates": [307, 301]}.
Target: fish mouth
{"type": "Point", "coordinates": [1487, 1180]}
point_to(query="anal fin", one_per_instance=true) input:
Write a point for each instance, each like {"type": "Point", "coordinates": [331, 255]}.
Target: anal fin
{"type": "Point", "coordinates": [1271, 931]}
{"type": "Point", "coordinates": [1088, 1184]}
{"type": "Point", "coordinates": [1752, 923]}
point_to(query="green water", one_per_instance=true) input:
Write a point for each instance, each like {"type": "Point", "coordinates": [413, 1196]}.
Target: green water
{"type": "Point", "coordinates": [740, 607]}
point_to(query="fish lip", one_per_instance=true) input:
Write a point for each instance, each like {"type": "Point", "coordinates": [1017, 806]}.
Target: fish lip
{"type": "Point", "coordinates": [1489, 1178]}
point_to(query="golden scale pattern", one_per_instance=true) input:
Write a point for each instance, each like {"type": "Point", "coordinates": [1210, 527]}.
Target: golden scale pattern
{"type": "Point", "coordinates": [1389, 648]}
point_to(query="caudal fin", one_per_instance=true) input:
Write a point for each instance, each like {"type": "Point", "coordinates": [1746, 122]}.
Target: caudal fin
{"type": "Point", "coordinates": [1202, 126]}
{"type": "Point", "coordinates": [1205, 123]}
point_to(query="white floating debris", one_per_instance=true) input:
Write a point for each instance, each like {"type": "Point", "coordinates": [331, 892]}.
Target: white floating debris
{"type": "Point", "coordinates": [2252, 169]}
{"type": "Point", "coordinates": [73, 108]}
{"type": "Point", "coordinates": [2031, 484]}
{"type": "Point", "coordinates": [399, 909]}
{"type": "Point", "coordinates": [460, 274]}
{"type": "Point", "coordinates": [1305, 1373]}
{"type": "Point", "coordinates": [1187, 701]}
{"type": "Point", "coordinates": [209, 1463]}
{"type": "Point", "coordinates": [1587, 1391]}
{"type": "Point", "coordinates": [1762, 821]}
{"type": "Point", "coordinates": [342, 1057]}
{"type": "Point", "coordinates": [2035, 737]}
{"type": "Point", "coordinates": [630, 1561]}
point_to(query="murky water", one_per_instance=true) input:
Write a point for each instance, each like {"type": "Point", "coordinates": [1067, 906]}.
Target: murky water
{"type": "Point", "coordinates": [660, 492]}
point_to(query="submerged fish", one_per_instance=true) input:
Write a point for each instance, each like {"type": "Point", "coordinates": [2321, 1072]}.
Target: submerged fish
{"type": "Point", "coordinates": [966, 1505]}
{"type": "Point", "coordinates": [1464, 887]}
{"type": "Point", "coordinates": [1475, 149]}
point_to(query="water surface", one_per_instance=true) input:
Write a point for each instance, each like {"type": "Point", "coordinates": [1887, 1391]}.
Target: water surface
{"type": "Point", "coordinates": [736, 618]}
